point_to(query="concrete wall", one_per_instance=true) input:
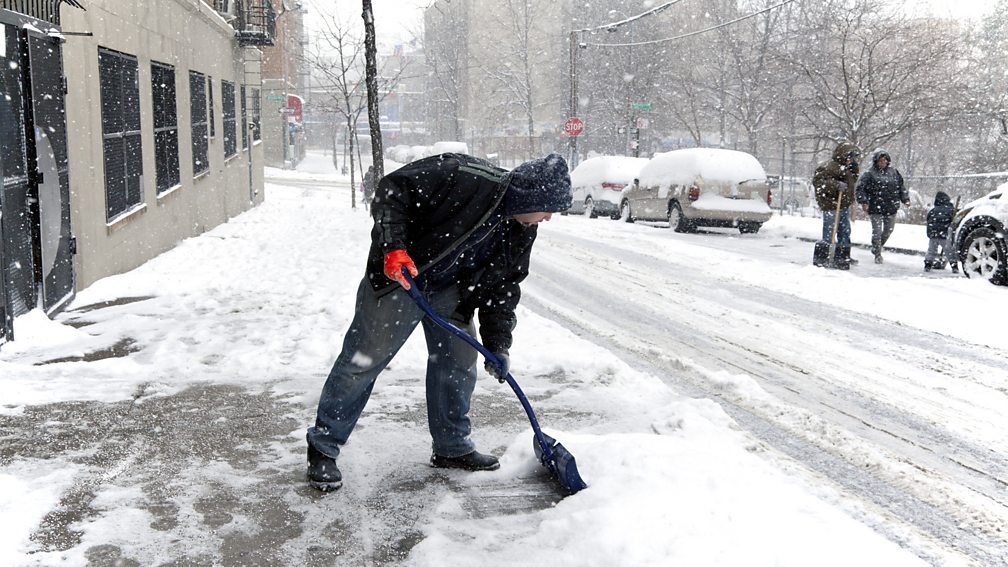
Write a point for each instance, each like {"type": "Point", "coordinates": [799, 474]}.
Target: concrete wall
{"type": "Point", "coordinates": [274, 123]}
{"type": "Point", "coordinates": [189, 35]}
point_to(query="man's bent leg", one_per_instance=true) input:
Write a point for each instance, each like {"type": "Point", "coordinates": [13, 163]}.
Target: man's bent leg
{"type": "Point", "coordinates": [379, 329]}
{"type": "Point", "coordinates": [451, 378]}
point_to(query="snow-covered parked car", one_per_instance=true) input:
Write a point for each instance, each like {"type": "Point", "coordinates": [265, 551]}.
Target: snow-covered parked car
{"type": "Point", "coordinates": [700, 187]}
{"type": "Point", "coordinates": [449, 146]}
{"type": "Point", "coordinates": [598, 182]}
{"type": "Point", "coordinates": [980, 240]}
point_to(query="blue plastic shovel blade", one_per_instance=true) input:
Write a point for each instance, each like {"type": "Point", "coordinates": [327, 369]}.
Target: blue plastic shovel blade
{"type": "Point", "coordinates": [561, 464]}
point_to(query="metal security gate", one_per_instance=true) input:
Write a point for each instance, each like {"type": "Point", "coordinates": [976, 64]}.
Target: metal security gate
{"type": "Point", "coordinates": [37, 258]}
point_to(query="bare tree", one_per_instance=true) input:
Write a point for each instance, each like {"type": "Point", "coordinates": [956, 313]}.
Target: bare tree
{"type": "Point", "coordinates": [335, 59]}
{"type": "Point", "coordinates": [753, 78]}
{"type": "Point", "coordinates": [515, 64]}
{"type": "Point", "coordinates": [868, 73]}
{"type": "Point", "coordinates": [445, 48]}
{"type": "Point", "coordinates": [337, 62]}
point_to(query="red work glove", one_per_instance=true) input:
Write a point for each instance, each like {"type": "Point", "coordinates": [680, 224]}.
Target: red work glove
{"type": "Point", "coordinates": [394, 263]}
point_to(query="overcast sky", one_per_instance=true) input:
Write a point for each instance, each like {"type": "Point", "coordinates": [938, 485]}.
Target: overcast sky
{"type": "Point", "coordinates": [964, 9]}
{"type": "Point", "coordinates": [396, 21]}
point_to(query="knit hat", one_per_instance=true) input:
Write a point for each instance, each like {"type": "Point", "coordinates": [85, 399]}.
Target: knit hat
{"type": "Point", "coordinates": [538, 186]}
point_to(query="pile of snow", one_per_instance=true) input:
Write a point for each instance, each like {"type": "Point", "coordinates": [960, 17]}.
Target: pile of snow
{"type": "Point", "coordinates": [445, 147]}
{"type": "Point", "coordinates": [595, 171]}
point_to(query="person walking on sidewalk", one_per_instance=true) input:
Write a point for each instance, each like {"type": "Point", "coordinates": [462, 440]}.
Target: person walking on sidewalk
{"type": "Point", "coordinates": [465, 230]}
{"type": "Point", "coordinates": [834, 181]}
{"type": "Point", "coordinates": [368, 187]}
{"type": "Point", "coordinates": [880, 191]}
{"type": "Point", "coordinates": [939, 219]}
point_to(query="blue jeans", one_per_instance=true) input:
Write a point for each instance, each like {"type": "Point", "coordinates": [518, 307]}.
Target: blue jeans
{"type": "Point", "coordinates": [843, 227]}
{"type": "Point", "coordinates": [379, 329]}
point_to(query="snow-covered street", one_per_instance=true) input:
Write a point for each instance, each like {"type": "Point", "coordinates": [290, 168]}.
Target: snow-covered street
{"type": "Point", "coordinates": [728, 404]}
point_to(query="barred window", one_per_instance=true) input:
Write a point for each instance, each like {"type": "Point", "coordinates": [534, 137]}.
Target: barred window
{"type": "Point", "coordinates": [166, 146]}
{"type": "Point", "coordinates": [244, 118]}
{"type": "Point", "coordinates": [123, 151]}
{"type": "Point", "coordinates": [210, 121]}
{"type": "Point", "coordinates": [256, 113]}
{"type": "Point", "coordinates": [198, 113]}
{"type": "Point", "coordinates": [228, 118]}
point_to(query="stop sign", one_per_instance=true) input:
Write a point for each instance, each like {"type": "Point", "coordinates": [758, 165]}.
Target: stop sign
{"type": "Point", "coordinates": [573, 126]}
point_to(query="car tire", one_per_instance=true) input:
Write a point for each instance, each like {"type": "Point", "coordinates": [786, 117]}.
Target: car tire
{"type": "Point", "coordinates": [626, 215]}
{"type": "Point", "coordinates": [677, 220]}
{"type": "Point", "coordinates": [749, 227]}
{"type": "Point", "coordinates": [589, 208]}
{"type": "Point", "coordinates": [985, 256]}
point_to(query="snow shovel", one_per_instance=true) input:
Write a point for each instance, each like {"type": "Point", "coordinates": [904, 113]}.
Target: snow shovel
{"type": "Point", "coordinates": [551, 454]}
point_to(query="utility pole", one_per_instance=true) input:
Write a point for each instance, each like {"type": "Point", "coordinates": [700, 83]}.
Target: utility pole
{"type": "Point", "coordinates": [577, 43]}
{"type": "Point", "coordinates": [573, 94]}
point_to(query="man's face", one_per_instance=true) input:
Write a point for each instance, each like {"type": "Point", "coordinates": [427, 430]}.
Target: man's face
{"type": "Point", "coordinates": [529, 219]}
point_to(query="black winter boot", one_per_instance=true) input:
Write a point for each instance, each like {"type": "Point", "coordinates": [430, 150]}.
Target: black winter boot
{"type": "Point", "coordinates": [842, 259]}
{"type": "Point", "coordinates": [955, 267]}
{"type": "Point", "coordinates": [928, 266]}
{"type": "Point", "coordinates": [474, 461]}
{"type": "Point", "coordinates": [323, 473]}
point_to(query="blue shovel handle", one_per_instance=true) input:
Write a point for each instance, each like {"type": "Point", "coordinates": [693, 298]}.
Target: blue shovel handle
{"type": "Point", "coordinates": [414, 292]}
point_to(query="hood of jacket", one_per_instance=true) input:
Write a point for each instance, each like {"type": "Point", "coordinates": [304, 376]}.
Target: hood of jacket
{"type": "Point", "coordinates": [879, 154]}
{"type": "Point", "coordinates": [942, 199]}
{"type": "Point", "coordinates": [843, 150]}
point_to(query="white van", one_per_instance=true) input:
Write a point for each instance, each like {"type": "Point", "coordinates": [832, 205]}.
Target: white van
{"type": "Point", "coordinates": [700, 187]}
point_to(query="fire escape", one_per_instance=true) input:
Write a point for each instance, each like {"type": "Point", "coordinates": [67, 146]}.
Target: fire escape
{"type": "Point", "coordinates": [254, 20]}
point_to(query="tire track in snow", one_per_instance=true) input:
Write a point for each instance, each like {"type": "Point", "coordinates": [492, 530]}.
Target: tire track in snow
{"type": "Point", "coordinates": [655, 316]}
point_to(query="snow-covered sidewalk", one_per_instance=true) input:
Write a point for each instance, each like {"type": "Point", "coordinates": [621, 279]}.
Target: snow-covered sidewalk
{"type": "Point", "coordinates": [186, 444]}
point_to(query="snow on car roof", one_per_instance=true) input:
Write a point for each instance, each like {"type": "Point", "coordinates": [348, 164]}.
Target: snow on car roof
{"type": "Point", "coordinates": [607, 169]}
{"type": "Point", "coordinates": [713, 165]}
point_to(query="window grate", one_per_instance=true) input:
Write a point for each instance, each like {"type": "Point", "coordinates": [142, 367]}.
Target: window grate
{"type": "Point", "coordinates": [244, 118]}
{"type": "Point", "coordinates": [122, 147]}
{"type": "Point", "coordinates": [165, 126]}
{"type": "Point", "coordinates": [228, 118]}
{"type": "Point", "coordinates": [198, 121]}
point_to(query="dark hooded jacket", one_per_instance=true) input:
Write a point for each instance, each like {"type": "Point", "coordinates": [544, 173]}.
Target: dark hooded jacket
{"type": "Point", "coordinates": [834, 179]}
{"type": "Point", "coordinates": [434, 207]}
{"type": "Point", "coordinates": [368, 185]}
{"type": "Point", "coordinates": [882, 189]}
{"type": "Point", "coordinates": [939, 218]}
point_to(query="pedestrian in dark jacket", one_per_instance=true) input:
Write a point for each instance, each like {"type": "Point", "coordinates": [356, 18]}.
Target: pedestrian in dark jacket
{"type": "Point", "coordinates": [880, 191]}
{"type": "Point", "coordinates": [939, 219]}
{"type": "Point", "coordinates": [834, 181]}
{"type": "Point", "coordinates": [464, 229]}
{"type": "Point", "coordinates": [368, 187]}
